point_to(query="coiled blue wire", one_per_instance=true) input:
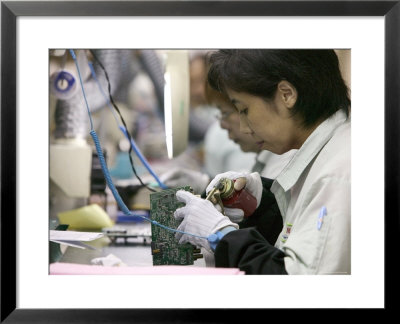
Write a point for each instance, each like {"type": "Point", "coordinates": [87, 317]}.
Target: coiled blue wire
{"type": "Point", "coordinates": [124, 131]}
{"type": "Point", "coordinates": [115, 193]}
{"type": "Point", "coordinates": [106, 172]}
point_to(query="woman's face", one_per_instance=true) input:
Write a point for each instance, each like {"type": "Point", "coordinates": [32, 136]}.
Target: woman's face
{"type": "Point", "coordinates": [270, 124]}
{"type": "Point", "coordinates": [229, 120]}
{"type": "Point", "coordinates": [197, 80]}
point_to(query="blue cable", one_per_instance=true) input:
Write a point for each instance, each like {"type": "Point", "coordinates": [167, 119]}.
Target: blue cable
{"type": "Point", "coordinates": [83, 91]}
{"type": "Point", "coordinates": [107, 175]}
{"type": "Point", "coordinates": [124, 131]}
{"type": "Point", "coordinates": [142, 158]}
{"type": "Point", "coordinates": [116, 195]}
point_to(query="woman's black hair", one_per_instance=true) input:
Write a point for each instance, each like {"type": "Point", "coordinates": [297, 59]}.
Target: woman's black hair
{"type": "Point", "coordinates": [314, 73]}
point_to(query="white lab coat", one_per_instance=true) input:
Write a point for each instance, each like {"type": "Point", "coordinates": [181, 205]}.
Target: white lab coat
{"type": "Point", "coordinates": [222, 154]}
{"type": "Point", "coordinates": [318, 176]}
{"type": "Point", "coordinates": [273, 163]}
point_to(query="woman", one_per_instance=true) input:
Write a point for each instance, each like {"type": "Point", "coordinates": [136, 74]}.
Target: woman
{"type": "Point", "coordinates": [225, 147]}
{"type": "Point", "coordinates": [287, 99]}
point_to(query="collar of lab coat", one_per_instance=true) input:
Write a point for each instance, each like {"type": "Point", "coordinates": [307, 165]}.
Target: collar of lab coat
{"type": "Point", "coordinates": [307, 152]}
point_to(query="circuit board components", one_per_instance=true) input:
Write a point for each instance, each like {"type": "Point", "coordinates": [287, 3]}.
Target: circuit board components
{"type": "Point", "coordinates": [165, 248]}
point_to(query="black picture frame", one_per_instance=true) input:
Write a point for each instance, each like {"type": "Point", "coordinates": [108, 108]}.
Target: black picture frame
{"type": "Point", "coordinates": [11, 10]}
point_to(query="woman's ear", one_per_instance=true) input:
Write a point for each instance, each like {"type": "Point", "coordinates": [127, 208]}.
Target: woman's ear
{"type": "Point", "coordinates": [287, 93]}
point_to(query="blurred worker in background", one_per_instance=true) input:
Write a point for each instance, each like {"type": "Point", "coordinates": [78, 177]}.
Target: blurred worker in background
{"type": "Point", "coordinates": [188, 167]}
{"type": "Point", "coordinates": [225, 148]}
{"type": "Point", "coordinates": [286, 99]}
{"type": "Point", "coordinates": [201, 113]}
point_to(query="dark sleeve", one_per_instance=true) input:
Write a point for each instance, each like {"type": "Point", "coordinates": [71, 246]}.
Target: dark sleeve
{"type": "Point", "coordinates": [267, 218]}
{"type": "Point", "coordinates": [248, 250]}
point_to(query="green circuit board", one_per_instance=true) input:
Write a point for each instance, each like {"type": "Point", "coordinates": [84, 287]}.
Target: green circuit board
{"type": "Point", "coordinates": [165, 249]}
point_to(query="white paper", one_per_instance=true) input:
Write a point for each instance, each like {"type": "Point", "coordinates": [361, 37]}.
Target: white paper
{"type": "Point", "coordinates": [74, 236]}
{"type": "Point", "coordinates": [76, 244]}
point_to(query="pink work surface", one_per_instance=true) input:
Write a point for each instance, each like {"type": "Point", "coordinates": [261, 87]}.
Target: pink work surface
{"type": "Point", "coordinates": [83, 269]}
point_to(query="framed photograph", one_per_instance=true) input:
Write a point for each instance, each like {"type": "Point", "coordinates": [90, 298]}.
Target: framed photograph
{"type": "Point", "coordinates": [370, 29]}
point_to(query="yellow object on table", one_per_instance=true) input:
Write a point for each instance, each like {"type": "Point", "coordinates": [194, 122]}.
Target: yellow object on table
{"type": "Point", "coordinates": [91, 217]}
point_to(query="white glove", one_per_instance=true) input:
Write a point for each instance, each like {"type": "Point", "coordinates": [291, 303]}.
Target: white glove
{"type": "Point", "coordinates": [179, 177]}
{"type": "Point", "coordinates": [250, 181]}
{"type": "Point", "coordinates": [236, 215]}
{"type": "Point", "coordinates": [209, 258]}
{"type": "Point", "coordinates": [199, 217]}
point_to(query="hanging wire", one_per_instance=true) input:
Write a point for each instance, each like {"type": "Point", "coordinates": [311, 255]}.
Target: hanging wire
{"type": "Point", "coordinates": [125, 132]}
{"type": "Point", "coordinates": [106, 172]}
{"type": "Point", "coordinates": [122, 120]}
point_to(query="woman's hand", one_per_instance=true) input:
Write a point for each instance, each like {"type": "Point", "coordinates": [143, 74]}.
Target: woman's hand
{"type": "Point", "coordinates": [250, 181]}
{"type": "Point", "coordinates": [199, 217]}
